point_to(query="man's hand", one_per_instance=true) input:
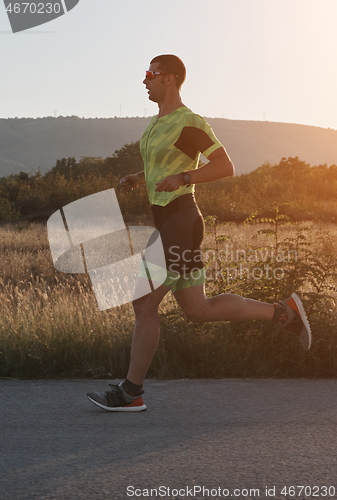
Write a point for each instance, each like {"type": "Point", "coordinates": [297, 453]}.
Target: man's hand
{"type": "Point", "coordinates": [128, 182]}
{"type": "Point", "coordinates": [169, 184]}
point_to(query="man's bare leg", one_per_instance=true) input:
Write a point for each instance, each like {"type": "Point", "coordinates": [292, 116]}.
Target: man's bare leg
{"type": "Point", "coordinates": [197, 307]}
{"type": "Point", "coordinates": [224, 307]}
{"type": "Point", "coordinates": [146, 334]}
{"type": "Point", "coordinates": [289, 313]}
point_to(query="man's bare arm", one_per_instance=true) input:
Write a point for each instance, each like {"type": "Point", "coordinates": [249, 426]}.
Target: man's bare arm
{"type": "Point", "coordinates": [140, 177]}
{"type": "Point", "coordinates": [131, 181]}
{"type": "Point", "coordinates": [219, 166]}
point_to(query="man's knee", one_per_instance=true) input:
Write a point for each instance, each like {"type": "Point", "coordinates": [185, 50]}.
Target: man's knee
{"type": "Point", "coordinates": [196, 315]}
{"type": "Point", "coordinates": [140, 305]}
{"type": "Point", "coordinates": [145, 305]}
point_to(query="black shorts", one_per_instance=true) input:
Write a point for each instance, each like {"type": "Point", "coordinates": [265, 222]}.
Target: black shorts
{"type": "Point", "coordinates": [181, 227]}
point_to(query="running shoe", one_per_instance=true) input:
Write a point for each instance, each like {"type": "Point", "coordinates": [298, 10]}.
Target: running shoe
{"type": "Point", "coordinates": [294, 319]}
{"type": "Point", "coordinates": [117, 399]}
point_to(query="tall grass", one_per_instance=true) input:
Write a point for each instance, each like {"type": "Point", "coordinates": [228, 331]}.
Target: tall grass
{"type": "Point", "coordinates": [50, 325]}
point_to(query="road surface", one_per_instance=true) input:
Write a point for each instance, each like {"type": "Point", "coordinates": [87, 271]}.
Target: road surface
{"type": "Point", "coordinates": [231, 437]}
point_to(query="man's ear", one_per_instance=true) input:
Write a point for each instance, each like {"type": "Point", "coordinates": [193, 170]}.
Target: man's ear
{"type": "Point", "coordinates": [171, 79]}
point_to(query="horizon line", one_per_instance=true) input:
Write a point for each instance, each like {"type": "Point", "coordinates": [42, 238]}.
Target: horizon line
{"type": "Point", "coordinates": [150, 116]}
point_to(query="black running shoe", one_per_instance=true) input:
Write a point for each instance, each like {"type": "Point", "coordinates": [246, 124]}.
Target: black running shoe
{"type": "Point", "coordinates": [117, 399]}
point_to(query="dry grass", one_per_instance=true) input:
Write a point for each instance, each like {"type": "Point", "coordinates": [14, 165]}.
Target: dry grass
{"type": "Point", "coordinates": [50, 325]}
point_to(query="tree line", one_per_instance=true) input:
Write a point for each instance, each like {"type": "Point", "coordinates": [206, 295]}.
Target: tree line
{"type": "Point", "coordinates": [304, 191]}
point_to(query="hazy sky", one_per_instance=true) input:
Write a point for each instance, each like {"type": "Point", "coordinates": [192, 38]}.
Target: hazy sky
{"type": "Point", "coordinates": [245, 59]}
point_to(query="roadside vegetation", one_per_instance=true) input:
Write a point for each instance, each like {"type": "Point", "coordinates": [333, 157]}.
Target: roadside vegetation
{"type": "Point", "coordinates": [269, 233]}
{"type": "Point", "coordinates": [50, 325]}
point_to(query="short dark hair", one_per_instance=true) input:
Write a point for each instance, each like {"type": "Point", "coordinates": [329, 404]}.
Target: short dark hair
{"type": "Point", "coordinates": [173, 65]}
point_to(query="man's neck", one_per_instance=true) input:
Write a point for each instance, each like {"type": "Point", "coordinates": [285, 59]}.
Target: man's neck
{"type": "Point", "coordinates": [169, 106]}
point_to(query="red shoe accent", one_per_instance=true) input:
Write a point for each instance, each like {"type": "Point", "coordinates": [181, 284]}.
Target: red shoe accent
{"type": "Point", "coordinates": [136, 402]}
{"type": "Point", "coordinates": [292, 304]}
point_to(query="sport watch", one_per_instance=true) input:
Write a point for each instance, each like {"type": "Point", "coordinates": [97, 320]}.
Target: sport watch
{"type": "Point", "coordinates": [186, 178]}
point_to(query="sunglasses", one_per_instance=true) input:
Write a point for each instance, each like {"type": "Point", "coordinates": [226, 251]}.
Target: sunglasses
{"type": "Point", "coordinates": [149, 75]}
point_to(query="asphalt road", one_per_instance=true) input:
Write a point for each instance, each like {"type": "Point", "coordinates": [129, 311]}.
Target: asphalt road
{"type": "Point", "coordinates": [228, 434]}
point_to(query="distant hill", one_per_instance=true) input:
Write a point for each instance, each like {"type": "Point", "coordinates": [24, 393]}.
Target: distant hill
{"type": "Point", "coordinates": [30, 144]}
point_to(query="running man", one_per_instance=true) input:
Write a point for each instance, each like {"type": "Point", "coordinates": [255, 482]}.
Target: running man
{"type": "Point", "coordinates": [170, 148]}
